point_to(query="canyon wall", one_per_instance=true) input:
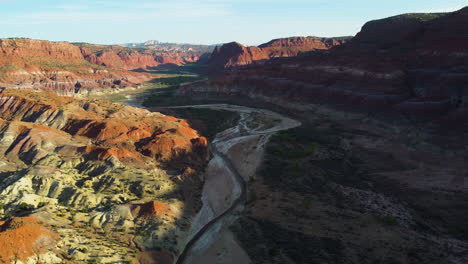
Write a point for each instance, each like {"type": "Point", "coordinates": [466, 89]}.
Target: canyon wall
{"type": "Point", "coordinates": [234, 54]}
{"type": "Point", "coordinates": [81, 69]}
{"type": "Point", "coordinates": [136, 58]}
{"type": "Point", "coordinates": [411, 66]}
{"type": "Point", "coordinates": [58, 67]}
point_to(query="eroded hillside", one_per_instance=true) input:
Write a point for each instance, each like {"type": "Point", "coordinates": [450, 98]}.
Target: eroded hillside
{"type": "Point", "coordinates": [59, 67]}
{"type": "Point", "coordinates": [97, 182]}
{"type": "Point", "coordinates": [136, 58]}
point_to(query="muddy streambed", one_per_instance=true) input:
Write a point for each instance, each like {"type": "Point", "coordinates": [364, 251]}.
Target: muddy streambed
{"type": "Point", "coordinates": [237, 153]}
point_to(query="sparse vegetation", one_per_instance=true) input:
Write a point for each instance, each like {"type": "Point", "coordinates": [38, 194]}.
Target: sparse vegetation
{"type": "Point", "coordinates": [42, 204]}
{"type": "Point", "coordinates": [307, 158]}
{"type": "Point", "coordinates": [26, 207]}
{"type": "Point", "coordinates": [209, 122]}
{"type": "Point", "coordinates": [79, 66]}
{"type": "Point", "coordinates": [6, 68]}
{"type": "Point", "coordinates": [389, 220]}
{"type": "Point", "coordinates": [160, 91]}
{"type": "Point", "coordinates": [425, 16]}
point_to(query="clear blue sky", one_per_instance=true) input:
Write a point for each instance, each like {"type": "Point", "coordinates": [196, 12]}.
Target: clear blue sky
{"type": "Point", "coordinates": [250, 22]}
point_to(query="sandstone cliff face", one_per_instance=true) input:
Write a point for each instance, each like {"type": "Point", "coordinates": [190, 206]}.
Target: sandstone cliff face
{"type": "Point", "coordinates": [130, 59]}
{"type": "Point", "coordinates": [79, 165]}
{"type": "Point", "coordinates": [407, 66]}
{"type": "Point", "coordinates": [56, 66]}
{"type": "Point", "coordinates": [234, 54]}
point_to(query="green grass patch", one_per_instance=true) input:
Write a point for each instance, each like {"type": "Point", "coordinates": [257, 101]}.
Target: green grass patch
{"type": "Point", "coordinates": [160, 90]}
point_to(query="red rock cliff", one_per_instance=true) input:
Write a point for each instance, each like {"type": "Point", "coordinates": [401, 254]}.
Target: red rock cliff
{"type": "Point", "coordinates": [413, 66]}
{"type": "Point", "coordinates": [234, 54]}
{"type": "Point", "coordinates": [130, 59]}
{"type": "Point", "coordinates": [56, 66]}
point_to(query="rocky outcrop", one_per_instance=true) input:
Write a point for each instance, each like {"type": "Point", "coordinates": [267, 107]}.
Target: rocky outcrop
{"type": "Point", "coordinates": [142, 134]}
{"type": "Point", "coordinates": [58, 67]}
{"type": "Point", "coordinates": [411, 66]}
{"type": "Point", "coordinates": [77, 165]}
{"type": "Point", "coordinates": [235, 54]}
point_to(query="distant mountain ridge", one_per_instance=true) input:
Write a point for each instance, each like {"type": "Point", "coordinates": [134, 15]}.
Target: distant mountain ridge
{"type": "Point", "coordinates": [166, 46]}
{"type": "Point", "coordinates": [115, 56]}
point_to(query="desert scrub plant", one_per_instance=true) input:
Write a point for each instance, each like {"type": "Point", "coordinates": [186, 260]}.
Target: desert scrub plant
{"type": "Point", "coordinates": [389, 220]}
{"type": "Point", "coordinates": [26, 207]}
{"type": "Point", "coordinates": [307, 203]}
{"type": "Point", "coordinates": [42, 204]}
{"type": "Point", "coordinates": [7, 216]}
{"type": "Point", "coordinates": [121, 230]}
{"type": "Point", "coordinates": [423, 16]}
{"type": "Point", "coordinates": [251, 197]}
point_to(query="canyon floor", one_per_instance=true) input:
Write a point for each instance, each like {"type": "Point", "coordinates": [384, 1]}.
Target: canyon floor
{"type": "Point", "coordinates": [303, 150]}
{"type": "Point", "coordinates": [237, 154]}
{"type": "Point", "coordinates": [342, 188]}
{"type": "Point", "coordinates": [281, 186]}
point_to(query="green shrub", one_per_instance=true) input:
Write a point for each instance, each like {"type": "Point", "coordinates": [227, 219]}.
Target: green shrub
{"type": "Point", "coordinates": [25, 207]}
{"type": "Point", "coordinates": [389, 220]}
{"type": "Point", "coordinates": [42, 204]}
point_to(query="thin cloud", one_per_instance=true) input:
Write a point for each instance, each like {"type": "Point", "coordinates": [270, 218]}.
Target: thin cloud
{"type": "Point", "coordinates": [167, 10]}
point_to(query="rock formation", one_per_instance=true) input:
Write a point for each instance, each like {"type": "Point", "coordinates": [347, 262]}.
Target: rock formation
{"type": "Point", "coordinates": [81, 69]}
{"type": "Point", "coordinates": [128, 58]}
{"type": "Point", "coordinates": [58, 67]}
{"type": "Point", "coordinates": [412, 65]}
{"type": "Point", "coordinates": [78, 165]}
{"type": "Point", "coordinates": [235, 54]}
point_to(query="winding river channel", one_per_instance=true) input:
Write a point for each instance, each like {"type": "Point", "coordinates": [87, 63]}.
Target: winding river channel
{"type": "Point", "coordinates": [237, 153]}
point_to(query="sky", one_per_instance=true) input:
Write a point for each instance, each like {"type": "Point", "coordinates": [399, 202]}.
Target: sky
{"type": "Point", "coordinates": [250, 22]}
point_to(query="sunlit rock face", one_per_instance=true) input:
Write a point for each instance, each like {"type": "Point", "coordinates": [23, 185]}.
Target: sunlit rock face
{"type": "Point", "coordinates": [97, 176]}
{"type": "Point", "coordinates": [128, 58]}
{"type": "Point", "coordinates": [59, 67]}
